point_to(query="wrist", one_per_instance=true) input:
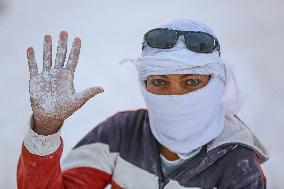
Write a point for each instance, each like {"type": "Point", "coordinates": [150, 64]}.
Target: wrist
{"type": "Point", "coordinates": [47, 127]}
{"type": "Point", "coordinates": [39, 144]}
{"type": "Point", "coordinates": [44, 130]}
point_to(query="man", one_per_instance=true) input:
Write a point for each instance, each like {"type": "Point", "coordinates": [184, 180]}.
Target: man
{"type": "Point", "coordinates": [188, 137]}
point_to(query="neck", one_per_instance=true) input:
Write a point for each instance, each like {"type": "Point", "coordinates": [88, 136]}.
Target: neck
{"type": "Point", "coordinates": [169, 155]}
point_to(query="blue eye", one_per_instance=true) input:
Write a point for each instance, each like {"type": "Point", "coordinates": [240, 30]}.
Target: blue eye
{"type": "Point", "coordinates": [192, 82]}
{"type": "Point", "coordinates": [158, 82]}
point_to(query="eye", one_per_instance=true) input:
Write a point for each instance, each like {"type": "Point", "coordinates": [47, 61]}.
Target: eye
{"type": "Point", "coordinates": [158, 82]}
{"type": "Point", "coordinates": [192, 82]}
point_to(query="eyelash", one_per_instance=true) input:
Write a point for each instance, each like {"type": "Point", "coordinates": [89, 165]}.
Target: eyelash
{"type": "Point", "coordinates": [162, 82]}
{"type": "Point", "coordinates": [197, 82]}
{"type": "Point", "coordinates": [158, 80]}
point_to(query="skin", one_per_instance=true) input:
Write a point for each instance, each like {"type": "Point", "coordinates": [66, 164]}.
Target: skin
{"type": "Point", "coordinates": [53, 97]}
{"type": "Point", "coordinates": [52, 93]}
{"type": "Point", "coordinates": [175, 84]}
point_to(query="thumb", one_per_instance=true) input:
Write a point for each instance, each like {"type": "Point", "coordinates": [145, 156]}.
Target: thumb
{"type": "Point", "coordinates": [83, 96]}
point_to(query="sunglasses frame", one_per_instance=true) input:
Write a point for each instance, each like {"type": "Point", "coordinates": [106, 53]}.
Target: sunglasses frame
{"type": "Point", "coordinates": [179, 33]}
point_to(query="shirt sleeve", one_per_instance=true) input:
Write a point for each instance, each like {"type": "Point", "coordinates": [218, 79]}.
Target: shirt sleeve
{"type": "Point", "coordinates": [39, 144]}
{"type": "Point", "coordinates": [39, 166]}
{"type": "Point", "coordinates": [258, 183]}
{"type": "Point", "coordinates": [242, 170]}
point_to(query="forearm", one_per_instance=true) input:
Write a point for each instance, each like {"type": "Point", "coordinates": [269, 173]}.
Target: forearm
{"type": "Point", "coordinates": [36, 171]}
{"type": "Point", "coordinates": [39, 163]}
{"type": "Point", "coordinates": [53, 99]}
{"type": "Point", "coordinates": [39, 166]}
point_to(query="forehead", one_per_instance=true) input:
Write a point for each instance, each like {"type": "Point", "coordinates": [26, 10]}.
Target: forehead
{"type": "Point", "coordinates": [179, 76]}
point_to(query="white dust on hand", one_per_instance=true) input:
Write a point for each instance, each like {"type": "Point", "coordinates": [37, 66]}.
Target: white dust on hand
{"type": "Point", "coordinates": [52, 94]}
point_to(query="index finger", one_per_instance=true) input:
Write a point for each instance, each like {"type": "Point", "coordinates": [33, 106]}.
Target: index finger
{"type": "Point", "coordinates": [32, 62]}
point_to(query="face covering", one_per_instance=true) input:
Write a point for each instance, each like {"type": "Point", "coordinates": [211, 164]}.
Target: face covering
{"type": "Point", "coordinates": [183, 123]}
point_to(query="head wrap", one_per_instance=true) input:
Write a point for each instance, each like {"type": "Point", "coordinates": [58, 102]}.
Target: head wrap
{"type": "Point", "coordinates": [186, 122]}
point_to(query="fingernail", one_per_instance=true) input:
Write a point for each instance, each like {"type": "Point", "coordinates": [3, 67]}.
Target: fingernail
{"type": "Point", "coordinates": [99, 90]}
{"type": "Point", "coordinates": [30, 52]}
{"type": "Point", "coordinates": [47, 38]}
{"type": "Point", "coordinates": [77, 41]}
{"type": "Point", "coordinates": [63, 35]}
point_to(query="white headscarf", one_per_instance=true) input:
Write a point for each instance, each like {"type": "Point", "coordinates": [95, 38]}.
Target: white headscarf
{"type": "Point", "coordinates": [183, 123]}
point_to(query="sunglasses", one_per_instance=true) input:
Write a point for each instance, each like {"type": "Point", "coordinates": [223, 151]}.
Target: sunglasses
{"type": "Point", "coordinates": [165, 38]}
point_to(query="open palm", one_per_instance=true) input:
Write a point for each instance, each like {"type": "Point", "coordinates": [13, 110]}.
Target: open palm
{"type": "Point", "coordinates": [52, 94]}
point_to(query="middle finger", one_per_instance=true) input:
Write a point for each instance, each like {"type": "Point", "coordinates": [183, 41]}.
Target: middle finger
{"type": "Point", "coordinates": [61, 50]}
{"type": "Point", "coordinates": [47, 52]}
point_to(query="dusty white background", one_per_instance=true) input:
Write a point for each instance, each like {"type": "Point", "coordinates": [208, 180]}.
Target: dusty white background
{"type": "Point", "coordinates": [251, 34]}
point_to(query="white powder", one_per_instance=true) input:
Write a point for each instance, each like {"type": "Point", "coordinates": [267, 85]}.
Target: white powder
{"type": "Point", "coordinates": [52, 92]}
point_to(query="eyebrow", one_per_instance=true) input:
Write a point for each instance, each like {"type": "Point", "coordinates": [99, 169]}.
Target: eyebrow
{"type": "Point", "coordinates": [164, 76]}
{"type": "Point", "coordinates": [187, 75]}
{"type": "Point", "coordinates": [183, 76]}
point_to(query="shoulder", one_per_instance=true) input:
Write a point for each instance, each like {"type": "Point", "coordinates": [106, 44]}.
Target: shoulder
{"type": "Point", "coordinates": [241, 167]}
{"type": "Point", "coordinates": [113, 129]}
{"type": "Point", "coordinates": [235, 131]}
{"type": "Point", "coordinates": [242, 158]}
{"type": "Point", "coordinates": [129, 116]}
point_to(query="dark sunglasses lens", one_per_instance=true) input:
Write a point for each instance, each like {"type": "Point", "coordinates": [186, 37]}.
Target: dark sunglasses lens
{"type": "Point", "coordinates": [200, 42]}
{"type": "Point", "coordinates": [160, 38]}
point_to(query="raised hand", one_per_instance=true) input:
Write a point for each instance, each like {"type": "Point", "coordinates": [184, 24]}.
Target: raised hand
{"type": "Point", "coordinates": [52, 94]}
